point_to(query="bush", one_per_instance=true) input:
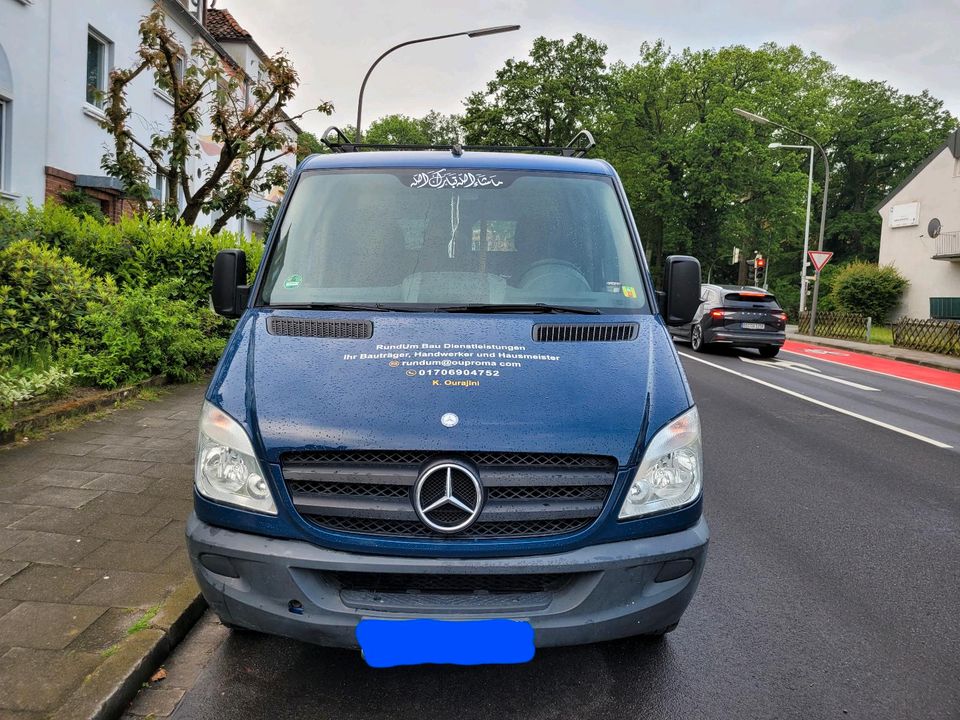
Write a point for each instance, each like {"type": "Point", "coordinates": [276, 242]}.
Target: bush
{"type": "Point", "coordinates": [105, 304]}
{"type": "Point", "coordinates": [863, 288]}
{"type": "Point", "coordinates": [137, 251]}
{"type": "Point", "coordinates": [81, 204]}
{"type": "Point", "coordinates": [140, 332]}
{"type": "Point", "coordinates": [43, 296]}
{"type": "Point", "coordinates": [20, 384]}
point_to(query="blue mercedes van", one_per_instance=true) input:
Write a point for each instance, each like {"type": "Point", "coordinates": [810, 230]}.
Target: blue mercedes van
{"type": "Point", "coordinates": [451, 396]}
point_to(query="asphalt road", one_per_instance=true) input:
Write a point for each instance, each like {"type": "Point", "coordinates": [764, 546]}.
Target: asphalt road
{"type": "Point", "coordinates": [831, 589]}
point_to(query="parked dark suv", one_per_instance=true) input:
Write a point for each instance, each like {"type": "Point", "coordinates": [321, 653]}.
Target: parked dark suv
{"type": "Point", "coordinates": [737, 315]}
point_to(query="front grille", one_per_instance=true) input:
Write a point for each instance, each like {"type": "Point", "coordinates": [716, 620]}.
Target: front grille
{"type": "Point", "coordinates": [526, 494]}
{"type": "Point", "coordinates": [447, 584]}
{"type": "Point", "coordinates": [305, 327]}
{"type": "Point", "coordinates": [585, 332]}
{"type": "Point", "coordinates": [414, 529]}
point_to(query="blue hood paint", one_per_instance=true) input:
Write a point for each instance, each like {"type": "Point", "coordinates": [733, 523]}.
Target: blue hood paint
{"type": "Point", "coordinates": [295, 393]}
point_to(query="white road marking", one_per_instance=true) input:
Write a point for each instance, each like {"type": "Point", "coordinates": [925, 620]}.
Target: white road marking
{"type": "Point", "coordinates": [842, 411]}
{"type": "Point", "coordinates": [854, 367]}
{"type": "Point", "coordinates": [801, 368]}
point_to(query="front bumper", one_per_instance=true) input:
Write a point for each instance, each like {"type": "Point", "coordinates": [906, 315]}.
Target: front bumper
{"type": "Point", "coordinates": [287, 587]}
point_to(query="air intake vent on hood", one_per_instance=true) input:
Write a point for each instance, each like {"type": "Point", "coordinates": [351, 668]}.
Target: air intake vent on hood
{"type": "Point", "coordinates": [300, 327]}
{"type": "Point", "coordinates": [585, 332]}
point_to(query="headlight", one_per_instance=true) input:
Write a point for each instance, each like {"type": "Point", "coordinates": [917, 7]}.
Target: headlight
{"type": "Point", "coordinates": [227, 470]}
{"type": "Point", "coordinates": [671, 472]}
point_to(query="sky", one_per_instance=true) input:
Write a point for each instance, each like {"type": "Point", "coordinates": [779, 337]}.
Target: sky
{"type": "Point", "coordinates": [911, 45]}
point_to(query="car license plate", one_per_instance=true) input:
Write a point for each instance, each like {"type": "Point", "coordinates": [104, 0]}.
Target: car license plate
{"type": "Point", "coordinates": [388, 643]}
{"type": "Point", "coordinates": [754, 326]}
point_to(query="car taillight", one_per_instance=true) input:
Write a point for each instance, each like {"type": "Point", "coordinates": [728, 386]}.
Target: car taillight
{"type": "Point", "coordinates": [717, 313]}
{"type": "Point", "coordinates": [782, 316]}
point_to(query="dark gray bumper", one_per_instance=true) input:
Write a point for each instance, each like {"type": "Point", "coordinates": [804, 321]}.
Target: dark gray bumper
{"type": "Point", "coordinates": [612, 591]}
{"type": "Point", "coordinates": [745, 339]}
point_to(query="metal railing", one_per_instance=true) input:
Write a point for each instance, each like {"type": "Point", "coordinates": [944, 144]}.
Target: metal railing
{"type": "Point", "coordinates": [948, 245]}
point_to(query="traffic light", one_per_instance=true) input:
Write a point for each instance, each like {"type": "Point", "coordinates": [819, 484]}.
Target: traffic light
{"type": "Point", "coordinates": [759, 263]}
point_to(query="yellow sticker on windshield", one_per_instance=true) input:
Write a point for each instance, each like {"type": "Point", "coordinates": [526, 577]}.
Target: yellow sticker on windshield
{"type": "Point", "coordinates": [629, 291]}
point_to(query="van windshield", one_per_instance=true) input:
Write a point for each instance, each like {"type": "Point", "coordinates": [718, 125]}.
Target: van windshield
{"type": "Point", "coordinates": [440, 238]}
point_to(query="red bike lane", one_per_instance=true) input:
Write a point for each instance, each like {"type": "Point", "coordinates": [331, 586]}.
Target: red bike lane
{"type": "Point", "coordinates": [872, 363]}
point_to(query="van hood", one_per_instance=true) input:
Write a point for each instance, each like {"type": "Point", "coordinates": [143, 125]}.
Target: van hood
{"type": "Point", "coordinates": [508, 392]}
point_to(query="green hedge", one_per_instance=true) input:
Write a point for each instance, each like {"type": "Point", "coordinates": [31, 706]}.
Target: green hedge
{"type": "Point", "coordinates": [141, 332]}
{"type": "Point", "coordinates": [43, 295]}
{"type": "Point", "coordinates": [105, 304]}
{"type": "Point", "coordinates": [136, 251]}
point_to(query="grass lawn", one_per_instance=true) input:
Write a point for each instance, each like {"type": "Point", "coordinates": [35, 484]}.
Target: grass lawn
{"type": "Point", "coordinates": [881, 335]}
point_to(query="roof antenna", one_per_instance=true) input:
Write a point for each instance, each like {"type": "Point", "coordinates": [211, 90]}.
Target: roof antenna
{"type": "Point", "coordinates": [456, 149]}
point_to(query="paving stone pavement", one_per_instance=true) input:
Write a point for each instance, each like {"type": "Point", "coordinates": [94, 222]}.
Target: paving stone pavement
{"type": "Point", "coordinates": [91, 538]}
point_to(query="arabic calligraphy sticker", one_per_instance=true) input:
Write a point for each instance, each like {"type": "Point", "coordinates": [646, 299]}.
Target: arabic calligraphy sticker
{"type": "Point", "coordinates": [444, 178]}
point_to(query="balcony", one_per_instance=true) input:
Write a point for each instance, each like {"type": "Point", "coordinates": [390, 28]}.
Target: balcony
{"type": "Point", "coordinates": [948, 246]}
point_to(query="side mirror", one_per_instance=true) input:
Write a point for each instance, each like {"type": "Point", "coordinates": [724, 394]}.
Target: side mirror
{"type": "Point", "coordinates": [230, 289]}
{"type": "Point", "coordinates": [681, 289]}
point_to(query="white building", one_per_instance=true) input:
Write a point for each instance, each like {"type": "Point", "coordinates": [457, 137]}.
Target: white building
{"type": "Point", "coordinates": [921, 234]}
{"type": "Point", "coordinates": [53, 55]}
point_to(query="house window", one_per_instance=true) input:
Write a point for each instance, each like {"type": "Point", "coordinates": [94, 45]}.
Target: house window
{"type": "Point", "coordinates": [179, 69]}
{"type": "Point", "coordinates": [98, 58]}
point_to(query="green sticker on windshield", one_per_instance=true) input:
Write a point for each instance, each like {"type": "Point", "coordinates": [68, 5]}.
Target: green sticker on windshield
{"type": "Point", "coordinates": [293, 281]}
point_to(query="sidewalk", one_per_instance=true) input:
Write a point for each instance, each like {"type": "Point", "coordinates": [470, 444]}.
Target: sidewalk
{"type": "Point", "coordinates": [918, 357]}
{"type": "Point", "coordinates": [91, 545]}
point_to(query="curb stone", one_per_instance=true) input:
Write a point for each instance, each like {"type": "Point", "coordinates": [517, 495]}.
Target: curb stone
{"type": "Point", "coordinates": [69, 408]}
{"type": "Point", "coordinates": [108, 690]}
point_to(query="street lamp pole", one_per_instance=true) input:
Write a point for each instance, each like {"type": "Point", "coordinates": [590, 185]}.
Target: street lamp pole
{"type": "Point", "coordinates": [469, 33]}
{"type": "Point", "coordinates": [753, 117]}
{"type": "Point", "coordinates": [805, 260]}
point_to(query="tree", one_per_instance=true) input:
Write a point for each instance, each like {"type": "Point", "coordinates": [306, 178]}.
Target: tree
{"type": "Point", "coordinates": [250, 132]}
{"type": "Point", "coordinates": [700, 179]}
{"type": "Point", "coordinates": [432, 129]}
{"type": "Point", "coordinates": [545, 100]}
{"type": "Point", "coordinates": [308, 144]}
{"type": "Point", "coordinates": [881, 136]}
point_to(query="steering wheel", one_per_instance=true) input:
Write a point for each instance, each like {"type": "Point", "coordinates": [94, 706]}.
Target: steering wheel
{"type": "Point", "coordinates": [553, 275]}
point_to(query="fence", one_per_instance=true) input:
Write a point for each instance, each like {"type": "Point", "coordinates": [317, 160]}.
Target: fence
{"type": "Point", "coordinates": [835, 324]}
{"type": "Point", "coordinates": [939, 336]}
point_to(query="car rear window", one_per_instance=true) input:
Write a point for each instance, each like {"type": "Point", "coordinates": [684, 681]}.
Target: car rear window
{"type": "Point", "coordinates": [749, 297]}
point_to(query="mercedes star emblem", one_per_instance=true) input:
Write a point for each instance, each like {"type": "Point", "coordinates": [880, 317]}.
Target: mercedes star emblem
{"type": "Point", "coordinates": [448, 497]}
{"type": "Point", "coordinates": [449, 419]}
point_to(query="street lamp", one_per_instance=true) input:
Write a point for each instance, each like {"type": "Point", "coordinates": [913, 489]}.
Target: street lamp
{"type": "Point", "coordinates": [482, 32]}
{"type": "Point", "coordinates": [753, 117]}
{"type": "Point", "coordinates": [806, 230]}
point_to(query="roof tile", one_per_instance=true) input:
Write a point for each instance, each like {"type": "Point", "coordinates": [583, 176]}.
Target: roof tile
{"type": "Point", "coordinates": [223, 26]}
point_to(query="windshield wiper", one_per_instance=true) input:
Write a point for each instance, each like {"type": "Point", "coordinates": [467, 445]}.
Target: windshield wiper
{"type": "Point", "coordinates": [519, 308]}
{"type": "Point", "coordinates": [369, 307]}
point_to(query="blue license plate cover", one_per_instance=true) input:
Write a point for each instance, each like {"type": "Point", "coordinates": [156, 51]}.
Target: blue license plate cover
{"type": "Point", "coordinates": [389, 643]}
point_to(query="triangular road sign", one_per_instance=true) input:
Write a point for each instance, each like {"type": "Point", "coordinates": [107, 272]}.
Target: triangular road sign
{"type": "Point", "coordinates": [819, 258]}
